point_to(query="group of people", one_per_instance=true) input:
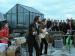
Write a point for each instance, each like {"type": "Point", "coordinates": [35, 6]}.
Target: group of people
{"type": "Point", "coordinates": [67, 27]}
{"type": "Point", "coordinates": [62, 25]}
{"type": "Point", "coordinates": [39, 30]}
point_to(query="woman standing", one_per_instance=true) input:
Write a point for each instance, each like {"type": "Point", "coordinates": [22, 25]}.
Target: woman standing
{"type": "Point", "coordinates": [42, 35]}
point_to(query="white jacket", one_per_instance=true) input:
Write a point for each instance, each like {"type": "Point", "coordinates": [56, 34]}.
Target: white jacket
{"type": "Point", "coordinates": [43, 34]}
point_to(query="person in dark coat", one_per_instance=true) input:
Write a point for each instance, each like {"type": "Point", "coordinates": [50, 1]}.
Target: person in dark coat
{"type": "Point", "coordinates": [55, 27]}
{"type": "Point", "coordinates": [64, 27]}
{"type": "Point", "coordinates": [31, 39]}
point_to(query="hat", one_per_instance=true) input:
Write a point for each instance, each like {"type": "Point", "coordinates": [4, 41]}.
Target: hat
{"type": "Point", "coordinates": [2, 17]}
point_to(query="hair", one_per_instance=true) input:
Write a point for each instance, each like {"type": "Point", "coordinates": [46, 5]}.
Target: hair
{"type": "Point", "coordinates": [2, 23]}
{"type": "Point", "coordinates": [43, 20]}
{"type": "Point", "coordinates": [36, 18]}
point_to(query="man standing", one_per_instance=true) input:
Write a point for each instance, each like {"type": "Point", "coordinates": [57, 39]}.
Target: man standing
{"type": "Point", "coordinates": [31, 39]}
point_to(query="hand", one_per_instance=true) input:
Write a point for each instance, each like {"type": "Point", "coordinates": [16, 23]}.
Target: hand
{"type": "Point", "coordinates": [5, 38]}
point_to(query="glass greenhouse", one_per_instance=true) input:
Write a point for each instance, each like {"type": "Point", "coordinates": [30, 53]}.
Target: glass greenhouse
{"type": "Point", "coordinates": [21, 16]}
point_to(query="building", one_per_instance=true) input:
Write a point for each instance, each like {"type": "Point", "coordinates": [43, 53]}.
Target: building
{"type": "Point", "coordinates": [21, 16]}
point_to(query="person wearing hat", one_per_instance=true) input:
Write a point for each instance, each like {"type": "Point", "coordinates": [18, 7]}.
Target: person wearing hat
{"type": "Point", "coordinates": [4, 31]}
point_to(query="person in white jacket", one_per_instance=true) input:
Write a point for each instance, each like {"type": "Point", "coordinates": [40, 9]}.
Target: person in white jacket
{"type": "Point", "coordinates": [42, 35]}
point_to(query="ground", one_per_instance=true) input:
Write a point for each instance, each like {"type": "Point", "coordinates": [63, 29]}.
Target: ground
{"type": "Point", "coordinates": [56, 52]}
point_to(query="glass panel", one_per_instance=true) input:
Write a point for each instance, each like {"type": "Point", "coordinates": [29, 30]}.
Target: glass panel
{"type": "Point", "coordinates": [20, 18]}
{"type": "Point", "coordinates": [9, 11]}
{"type": "Point", "coordinates": [36, 14]}
{"type": "Point", "coordinates": [14, 9]}
{"type": "Point", "coordinates": [31, 17]}
{"type": "Point", "coordinates": [14, 21]}
{"type": "Point", "coordinates": [26, 19]}
{"type": "Point", "coordinates": [20, 9]}
{"type": "Point", "coordinates": [9, 18]}
{"type": "Point", "coordinates": [26, 11]}
{"type": "Point", "coordinates": [5, 16]}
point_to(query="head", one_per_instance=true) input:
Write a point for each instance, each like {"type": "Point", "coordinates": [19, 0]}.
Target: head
{"type": "Point", "coordinates": [37, 19]}
{"type": "Point", "coordinates": [44, 21]}
{"type": "Point", "coordinates": [67, 20]}
{"type": "Point", "coordinates": [5, 23]}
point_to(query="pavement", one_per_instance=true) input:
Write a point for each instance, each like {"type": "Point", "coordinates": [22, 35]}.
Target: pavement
{"type": "Point", "coordinates": [55, 52]}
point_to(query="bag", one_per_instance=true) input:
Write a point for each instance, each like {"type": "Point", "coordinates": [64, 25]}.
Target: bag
{"type": "Point", "coordinates": [11, 50]}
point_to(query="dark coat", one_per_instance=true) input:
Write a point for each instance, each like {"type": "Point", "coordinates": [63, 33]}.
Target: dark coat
{"type": "Point", "coordinates": [31, 36]}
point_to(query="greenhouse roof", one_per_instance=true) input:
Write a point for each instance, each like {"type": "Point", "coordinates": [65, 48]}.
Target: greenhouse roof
{"type": "Point", "coordinates": [30, 9]}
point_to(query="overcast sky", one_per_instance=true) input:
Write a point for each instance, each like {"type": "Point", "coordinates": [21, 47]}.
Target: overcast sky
{"type": "Point", "coordinates": [54, 9]}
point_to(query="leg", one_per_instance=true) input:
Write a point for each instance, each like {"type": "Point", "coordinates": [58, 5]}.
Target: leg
{"type": "Point", "coordinates": [41, 46]}
{"type": "Point", "coordinates": [46, 46]}
{"type": "Point", "coordinates": [30, 48]}
{"type": "Point", "coordinates": [36, 46]}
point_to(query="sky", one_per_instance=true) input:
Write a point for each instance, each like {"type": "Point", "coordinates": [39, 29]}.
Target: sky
{"type": "Point", "coordinates": [53, 9]}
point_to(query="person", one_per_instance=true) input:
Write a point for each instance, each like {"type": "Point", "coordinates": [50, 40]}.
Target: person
{"type": "Point", "coordinates": [4, 33]}
{"type": "Point", "coordinates": [31, 39]}
{"type": "Point", "coordinates": [55, 27]}
{"type": "Point", "coordinates": [49, 23]}
{"type": "Point", "coordinates": [64, 28]}
{"type": "Point", "coordinates": [68, 33]}
{"type": "Point", "coordinates": [69, 25]}
{"type": "Point", "coordinates": [69, 39]}
{"type": "Point", "coordinates": [4, 30]}
{"type": "Point", "coordinates": [61, 25]}
{"type": "Point", "coordinates": [42, 35]}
